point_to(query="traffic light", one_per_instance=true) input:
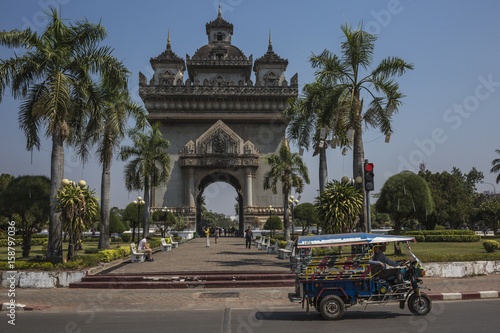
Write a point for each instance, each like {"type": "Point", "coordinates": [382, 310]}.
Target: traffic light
{"type": "Point", "coordinates": [369, 184]}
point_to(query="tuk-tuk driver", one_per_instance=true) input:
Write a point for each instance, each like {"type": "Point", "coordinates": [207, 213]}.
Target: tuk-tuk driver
{"type": "Point", "coordinates": [378, 265]}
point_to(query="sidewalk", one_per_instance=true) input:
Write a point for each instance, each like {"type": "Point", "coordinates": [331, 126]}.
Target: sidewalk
{"type": "Point", "coordinates": [229, 255]}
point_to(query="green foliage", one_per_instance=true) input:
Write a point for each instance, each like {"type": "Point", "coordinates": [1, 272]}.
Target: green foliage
{"type": "Point", "coordinates": [338, 207]}
{"type": "Point", "coordinates": [288, 170]}
{"type": "Point", "coordinates": [405, 196]}
{"type": "Point", "coordinates": [453, 195]}
{"type": "Point", "coordinates": [78, 205]}
{"type": "Point", "coordinates": [126, 238]}
{"type": "Point", "coordinates": [91, 251]}
{"type": "Point", "coordinates": [26, 199]}
{"type": "Point", "coordinates": [273, 223]}
{"type": "Point", "coordinates": [305, 215]}
{"type": "Point", "coordinates": [489, 212]}
{"type": "Point", "coordinates": [490, 245]}
{"type": "Point", "coordinates": [115, 223]}
{"type": "Point", "coordinates": [459, 236]}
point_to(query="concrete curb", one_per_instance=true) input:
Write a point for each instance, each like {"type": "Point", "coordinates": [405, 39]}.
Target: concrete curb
{"type": "Point", "coordinates": [464, 295]}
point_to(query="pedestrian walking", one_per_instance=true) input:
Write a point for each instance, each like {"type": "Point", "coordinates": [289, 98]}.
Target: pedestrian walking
{"type": "Point", "coordinates": [207, 233]}
{"type": "Point", "coordinates": [248, 237]}
{"type": "Point", "coordinates": [216, 235]}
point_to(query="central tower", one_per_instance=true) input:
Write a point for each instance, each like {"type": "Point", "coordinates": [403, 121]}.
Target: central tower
{"type": "Point", "coordinates": [219, 123]}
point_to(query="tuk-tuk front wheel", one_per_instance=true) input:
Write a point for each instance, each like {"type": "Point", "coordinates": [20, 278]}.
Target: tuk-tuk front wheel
{"type": "Point", "coordinates": [331, 307]}
{"type": "Point", "coordinates": [419, 305]}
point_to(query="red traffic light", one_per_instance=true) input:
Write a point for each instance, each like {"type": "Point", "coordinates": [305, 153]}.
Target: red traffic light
{"type": "Point", "coordinates": [368, 167]}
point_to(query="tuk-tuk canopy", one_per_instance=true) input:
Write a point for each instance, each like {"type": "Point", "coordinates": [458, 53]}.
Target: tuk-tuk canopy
{"type": "Point", "coordinates": [349, 239]}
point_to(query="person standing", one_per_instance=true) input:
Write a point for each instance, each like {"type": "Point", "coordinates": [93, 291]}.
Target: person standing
{"type": "Point", "coordinates": [207, 234]}
{"type": "Point", "coordinates": [248, 237]}
{"type": "Point", "coordinates": [216, 235]}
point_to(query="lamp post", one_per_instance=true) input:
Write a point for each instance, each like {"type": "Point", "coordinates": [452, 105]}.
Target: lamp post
{"type": "Point", "coordinates": [140, 202]}
{"type": "Point", "coordinates": [494, 189]}
{"type": "Point", "coordinates": [293, 202]}
{"type": "Point", "coordinates": [271, 219]}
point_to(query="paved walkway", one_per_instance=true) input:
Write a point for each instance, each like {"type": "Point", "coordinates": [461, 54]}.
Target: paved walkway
{"type": "Point", "coordinates": [229, 254]}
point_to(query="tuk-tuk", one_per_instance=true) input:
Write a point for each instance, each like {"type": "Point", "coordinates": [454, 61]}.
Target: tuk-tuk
{"type": "Point", "coordinates": [331, 279]}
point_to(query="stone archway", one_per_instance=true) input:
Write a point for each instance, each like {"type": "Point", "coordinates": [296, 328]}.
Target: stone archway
{"type": "Point", "coordinates": [219, 176]}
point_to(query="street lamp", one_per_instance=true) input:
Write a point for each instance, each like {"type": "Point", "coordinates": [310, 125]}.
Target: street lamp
{"type": "Point", "coordinates": [494, 189]}
{"type": "Point", "coordinates": [140, 202]}
{"type": "Point", "coordinates": [271, 220]}
{"type": "Point", "coordinates": [292, 202]}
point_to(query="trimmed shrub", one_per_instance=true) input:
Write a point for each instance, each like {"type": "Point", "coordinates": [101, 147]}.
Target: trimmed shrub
{"type": "Point", "coordinates": [126, 238]}
{"type": "Point", "coordinates": [92, 251]}
{"type": "Point", "coordinates": [490, 245]}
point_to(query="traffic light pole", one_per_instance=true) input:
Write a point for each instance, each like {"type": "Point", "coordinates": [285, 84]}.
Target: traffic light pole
{"type": "Point", "coordinates": [368, 217]}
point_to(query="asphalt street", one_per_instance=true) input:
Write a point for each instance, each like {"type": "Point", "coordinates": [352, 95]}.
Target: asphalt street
{"type": "Point", "coordinates": [462, 316]}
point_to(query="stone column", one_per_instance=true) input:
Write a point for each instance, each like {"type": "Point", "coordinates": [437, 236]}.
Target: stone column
{"type": "Point", "coordinates": [248, 186]}
{"type": "Point", "coordinates": [191, 191]}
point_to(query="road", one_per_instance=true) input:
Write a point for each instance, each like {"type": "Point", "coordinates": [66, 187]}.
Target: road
{"type": "Point", "coordinates": [460, 316]}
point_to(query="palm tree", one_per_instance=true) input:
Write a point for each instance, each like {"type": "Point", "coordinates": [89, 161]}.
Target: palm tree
{"type": "Point", "coordinates": [350, 78]}
{"type": "Point", "coordinates": [291, 172]}
{"type": "Point", "coordinates": [496, 166]}
{"type": "Point", "coordinates": [149, 167]}
{"type": "Point", "coordinates": [315, 119]}
{"type": "Point", "coordinates": [52, 79]}
{"type": "Point", "coordinates": [78, 205]}
{"type": "Point", "coordinates": [106, 128]}
{"type": "Point", "coordinates": [338, 207]}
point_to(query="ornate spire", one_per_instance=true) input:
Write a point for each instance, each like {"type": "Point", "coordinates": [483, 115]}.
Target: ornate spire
{"type": "Point", "coordinates": [168, 40]}
{"type": "Point", "coordinates": [220, 14]}
{"type": "Point", "coordinates": [270, 47]}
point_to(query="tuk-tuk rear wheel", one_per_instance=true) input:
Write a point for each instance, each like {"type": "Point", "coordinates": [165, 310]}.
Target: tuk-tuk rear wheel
{"type": "Point", "coordinates": [332, 307]}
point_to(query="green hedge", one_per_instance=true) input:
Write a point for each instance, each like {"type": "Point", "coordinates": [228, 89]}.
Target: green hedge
{"type": "Point", "coordinates": [19, 242]}
{"type": "Point", "coordinates": [460, 236]}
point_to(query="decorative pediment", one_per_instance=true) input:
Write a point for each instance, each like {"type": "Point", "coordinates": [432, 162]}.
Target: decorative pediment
{"type": "Point", "coordinates": [219, 139]}
{"type": "Point", "coordinates": [219, 146]}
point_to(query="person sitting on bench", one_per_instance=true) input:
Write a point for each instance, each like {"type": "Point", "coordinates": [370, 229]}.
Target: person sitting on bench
{"type": "Point", "coordinates": [144, 248]}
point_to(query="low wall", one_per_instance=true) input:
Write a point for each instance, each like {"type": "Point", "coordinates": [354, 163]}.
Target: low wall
{"type": "Point", "coordinates": [461, 269]}
{"type": "Point", "coordinates": [40, 279]}
{"type": "Point", "coordinates": [26, 279]}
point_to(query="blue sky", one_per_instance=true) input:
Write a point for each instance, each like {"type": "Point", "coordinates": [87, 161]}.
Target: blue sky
{"type": "Point", "coordinates": [449, 117]}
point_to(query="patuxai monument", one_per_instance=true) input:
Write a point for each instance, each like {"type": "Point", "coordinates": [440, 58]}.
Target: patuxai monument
{"type": "Point", "coordinates": [220, 121]}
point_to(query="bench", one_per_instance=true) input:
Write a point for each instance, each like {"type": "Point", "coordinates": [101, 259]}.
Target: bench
{"type": "Point", "coordinates": [165, 246]}
{"type": "Point", "coordinates": [274, 248]}
{"type": "Point", "coordinates": [264, 246]}
{"type": "Point", "coordinates": [136, 256]}
{"type": "Point", "coordinates": [257, 241]}
{"type": "Point", "coordinates": [174, 244]}
{"type": "Point", "coordinates": [286, 252]}
{"type": "Point", "coordinates": [260, 242]}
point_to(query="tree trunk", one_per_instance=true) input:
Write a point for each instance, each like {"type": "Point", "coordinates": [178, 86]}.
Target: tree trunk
{"type": "Point", "coordinates": [26, 242]}
{"type": "Point", "coordinates": [145, 213]}
{"type": "Point", "coordinates": [323, 170]}
{"type": "Point", "coordinates": [286, 225]}
{"type": "Point", "coordinates": [54, 249]}
{"type": "Point", "coordinates": [105, 187]}
{"type": "Point", "coordinates": [357, 170]}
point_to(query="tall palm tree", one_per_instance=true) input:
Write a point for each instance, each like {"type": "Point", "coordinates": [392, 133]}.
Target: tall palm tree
{"type": "Point", "coordinates": [496, 166]}
{"type": "Point", "coordinates": [315, 119]}
{"type": "Point", "coordinates": [351, 78]}
{"type": "Point", "coordinates": [107, 127]}
{"type": "Point", "coordinates": [51, 78]}
{"type": "Point", "coordinates": [288, 169]}
{"type": "Point", "coordinates": [149, 167]}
